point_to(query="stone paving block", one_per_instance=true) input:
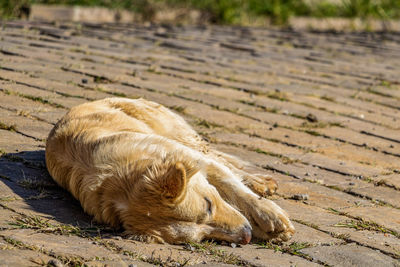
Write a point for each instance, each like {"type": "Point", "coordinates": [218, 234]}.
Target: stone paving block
{"type": "Point", "coordinates": [19, 257]}
{"type": "Point", "coordinates": [31, 108]}
{"type": "Point", "coordinates": [67, 246]}
{"type": "Point", "coordinates": [361, 139]}
{"type": "Point", "coordinates": [5, 217]}
{"type": "Point", "coordinates": [391, 218]}
{"type": "Point", "coordinates": [119, 263]}
{"type": "Point", "coordinates": [393, 180]}
{"type": "Point", "coordinates": [163, 252]}
{"type": "Point", "coordinates": [309, 235]}
{"type": "Point", "coordinates": [350, 255]}
{"type": "Point", "coordinates": [387, 243]}
{"type": "Point", "coordinates": [11, 142]}
{"type": "Point", "coordinates": [28, 127]}
{"type": "Point", "coordinates": [328, 222]}
{"type": "Point", "coordinates": [44, 96]}
{"type": "Point", "coordinates": [268, 257]}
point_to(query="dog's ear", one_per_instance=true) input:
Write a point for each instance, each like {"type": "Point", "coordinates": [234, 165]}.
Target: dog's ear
{"type": "Point", "coordinates": [174, 182]}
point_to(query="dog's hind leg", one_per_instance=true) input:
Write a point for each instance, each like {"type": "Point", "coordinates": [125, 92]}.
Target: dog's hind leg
{"type": "Point", "coordinates": [268, 220]}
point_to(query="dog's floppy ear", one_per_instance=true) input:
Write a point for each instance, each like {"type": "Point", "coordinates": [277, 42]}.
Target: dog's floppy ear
{"type": "Point", "coordinates": [174, 182]}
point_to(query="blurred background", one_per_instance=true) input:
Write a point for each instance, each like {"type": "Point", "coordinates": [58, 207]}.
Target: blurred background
{"type": "Point", "coordinates": [231, 12]}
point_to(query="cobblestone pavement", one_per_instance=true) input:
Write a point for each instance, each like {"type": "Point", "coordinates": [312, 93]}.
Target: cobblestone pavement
{"type": "Point", "coordinates": [318, 111]}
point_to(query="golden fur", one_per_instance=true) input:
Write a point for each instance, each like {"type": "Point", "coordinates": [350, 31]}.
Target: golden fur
{"type": "Point", "coordinates": [137, 164]}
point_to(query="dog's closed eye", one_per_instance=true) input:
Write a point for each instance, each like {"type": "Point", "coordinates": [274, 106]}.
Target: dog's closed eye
{"type": "Point", "coordinates": [209, 205]}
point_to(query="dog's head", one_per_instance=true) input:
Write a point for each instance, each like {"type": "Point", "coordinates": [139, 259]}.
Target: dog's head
{"type": "Point", "coordinates": [174, 203]}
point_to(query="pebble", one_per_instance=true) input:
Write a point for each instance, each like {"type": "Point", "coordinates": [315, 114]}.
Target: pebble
{"type": "Point", "coordinates": [311, 118]}
{"type": "Point", "coordinates": [351, 183]}
{"type": "Point", "coordinates": [300, 197]}
{"type": "Point", "coordinates": [189, 247]}
{"type": "Point", "coordinates": [233, 245]}
{"type": "Point", "coordinates": [84, 81]}
{"type": "Point", "coordinates": [55, 263]}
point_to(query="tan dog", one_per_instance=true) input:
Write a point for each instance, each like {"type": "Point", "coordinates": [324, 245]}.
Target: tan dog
{"type": "Point", "coordinates": [137, 164]}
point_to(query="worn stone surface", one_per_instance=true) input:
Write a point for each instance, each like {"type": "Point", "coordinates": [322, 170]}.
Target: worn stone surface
{"type": "Point", "coordinates": [16, 257]}
{"type": "Point", "coordinates": [351, 255]}
{"type": "Point", "coordinates": [67, 246]}
{"type": "Point", "coordinates": [319, 111]}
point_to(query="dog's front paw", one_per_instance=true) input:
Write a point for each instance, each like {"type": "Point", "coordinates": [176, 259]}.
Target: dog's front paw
{"type": "Point", "coordinates": [269, 221]}
{"type": "Point", "coordinates": [263, 185]}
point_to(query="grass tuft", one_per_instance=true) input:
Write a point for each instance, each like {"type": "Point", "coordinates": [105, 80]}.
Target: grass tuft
{"type": "Point", "coordinates": [292, 248]}
{"type": "Point", "coordinates": [210, 248]}
{"type": "Point", "coordinates": [12, 128]}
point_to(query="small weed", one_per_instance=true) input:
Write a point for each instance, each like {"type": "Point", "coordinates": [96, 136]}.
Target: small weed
{"type": "Point", "coordinates": [36, 184]}
{"type": "Point", "coordinates": [324, 75]}
{"type": "Point", "coordinates": [314, 125]}
{"type": "Point", "coordinates": [209, 248]}
{"type": "Point", "coordinates": [208, 125]}
{"type": "Point", "coordinates": [375, 92]}
{"type": "Point", "coordinates": [312, 225]}
{"type": "Point", "coordinates": [362, 225]}
{"type": "Point", "coordinates": [2, 176]}
{"type": "Point", "coordinates": [119, 94]}
{"type": "Point", "coordinates": [44, 226]}
{"type": "Point", "coordinates": [296, 116]}
{"type": "Point", "coordinates": [314, 133]}
{"type": "Point", "coordinates": [101, 79]}
{"type": "Point", "coordinates": [34, 98]}
{"type": "Point", "coordinates": [42, 100]}
{"type": "Point", "coordinates": [179, 109]}
{"type": "Point", "coordinates": [6, 127]}
{"type": "Point", "coordinates": [12, 157]}
{"type": "Point", "coordinates": [293, 248]}
{"type": "Point", "coordinates": [8, 199]}
{"type": "Point", "coordinates": [250, 103]}
{"type": "Point", "coordinates": [77, 50]}
{"type": "Point", "coordinates": [17, 243]}
{"type": "Point", "coordinates": [328, 98]}
{"type": "Point", "coordinates": [43, 194]}
{"type": "Point", "coordinates": [158, 261]}
{"type": "Point", "coordinates": [154, 70]}
{"type": "Point", "coordinates": [281, 96]}
{"type": "Point", "coordinates": [386, 83]}
{"type": "Point", "coordinates": [67, 260]}
{"type": "Point", "coordinates": [334, 187]}
{"type": "Point", "coordinates": [87, 59]}
{"type": "Point", "coordinates": [285, 160]}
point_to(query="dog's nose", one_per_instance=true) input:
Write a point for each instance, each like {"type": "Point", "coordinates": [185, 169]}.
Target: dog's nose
{"type": "Point", "coordinates": [246, 235]}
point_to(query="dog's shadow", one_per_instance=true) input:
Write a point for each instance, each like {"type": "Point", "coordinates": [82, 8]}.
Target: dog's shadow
{"type": "Point", "coordinates": [24, 177]}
